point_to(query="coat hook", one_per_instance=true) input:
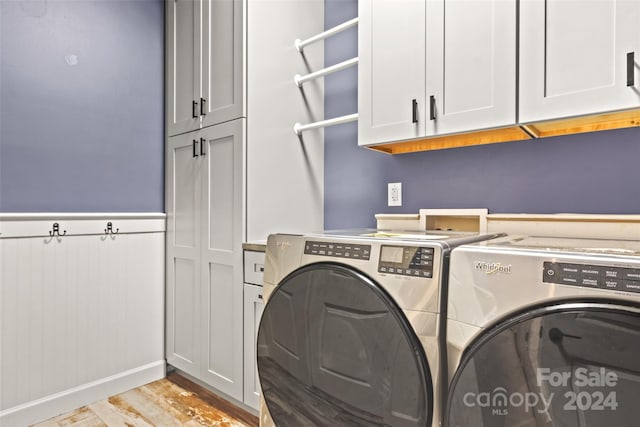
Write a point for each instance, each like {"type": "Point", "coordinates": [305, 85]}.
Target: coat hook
{"type": "Point", "coordinates": [56, 230]}
{"type": "Point", "coordinates": [109, 229]}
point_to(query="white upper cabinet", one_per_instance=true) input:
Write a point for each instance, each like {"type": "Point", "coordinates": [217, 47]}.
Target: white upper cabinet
{"type": "Point", "coordinates": [205, 66]}
{"type": "Point", "coordinates": [183, 76]}
{"type": "Point", "coordinates": [222, 61]}
{"type": "Point", "coordinates": [391, 70]}
{"type": "Point", "coordinates": [577, 57]}
{"type": "Point", "coordinates": [471, 65]}
{"type": "Point", "coordinates": [435, 67]}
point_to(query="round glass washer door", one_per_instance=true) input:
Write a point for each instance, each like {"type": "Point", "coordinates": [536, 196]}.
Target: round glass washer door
{"type": "Point", "coordinates": [569, 365]}
{"type": "Point", "coordinates": [334, 349]}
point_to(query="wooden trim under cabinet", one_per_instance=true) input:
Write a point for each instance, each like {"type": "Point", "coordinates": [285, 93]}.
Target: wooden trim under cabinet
{"type": "Point", "coordinates": [568, 126]}
{"type": "Point", "coordinates": [593, 123]}
{"type": "Point", "coordinates": [513, 133]}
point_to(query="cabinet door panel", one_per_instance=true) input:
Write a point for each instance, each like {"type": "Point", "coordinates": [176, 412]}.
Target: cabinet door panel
{"type": "Point", "coordinates": [223, 234]}
{"type": "Point", "coordinates": [184, 296]}
{"type": "Point", "coordinates": [253, 307]}
{"type": "Point", "coordinates": [471, 64]}
{"type": "Point", "coordinates": [573, 57]}
{"type": "Point", "coordinates": [183, 192]}
{"type": "Point", "coordinates": [568, 70]}
{"type": "Point", "coordinates": [391, 70]}
{"type": "Point", "coordinates": [220, 358]}
{"type": "Point", "coordinates": [220, 197]}
{"type": "Point", "coordinates": [222, 61]}
{"type": "Point", "coordinates": [183, 70]}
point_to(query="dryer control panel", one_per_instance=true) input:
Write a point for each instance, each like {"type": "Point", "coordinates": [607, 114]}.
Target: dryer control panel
{"type": "Point", "coordinates": [592, 276]}
{"type": "Point", "coordinates": [406, 260]}
{"type": "Point", "coordinates": [340, 250]}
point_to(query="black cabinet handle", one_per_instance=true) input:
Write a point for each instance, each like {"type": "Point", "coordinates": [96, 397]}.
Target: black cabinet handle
{"type": "Point", "coordinates": [194, 109]}
{"type": "Point", "coordinates": [195, 152]}
{"type": "Point", "coordinates": [432, 107]}
{"type": "Point", "coordinates": [202, 142]}
{"type": "Point", "coordinates": [414, 111]}
{"type": "Point", "coordinates": [203, 110]}
{"type": "Point", "coordinates": [630, 69]}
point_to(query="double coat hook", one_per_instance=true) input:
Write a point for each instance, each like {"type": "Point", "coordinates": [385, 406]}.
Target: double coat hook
{"type": "Point", "coordinates": [56, 230]}
{"type": "Point", "coordinates": [109, 229]}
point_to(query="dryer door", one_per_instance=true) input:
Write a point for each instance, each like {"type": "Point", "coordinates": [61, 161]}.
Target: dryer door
{"type": "Point", "coordinates": [565, 365]}
{"type": "Point", "coordinates": [334, 349]}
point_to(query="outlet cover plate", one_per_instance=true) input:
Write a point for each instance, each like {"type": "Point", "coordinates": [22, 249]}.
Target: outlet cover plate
{"type": "Point", "coordinates": [394, 194]}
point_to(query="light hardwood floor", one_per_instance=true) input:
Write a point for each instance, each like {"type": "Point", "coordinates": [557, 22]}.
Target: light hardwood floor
{"type": "Point", "coordinates": [173, 401]}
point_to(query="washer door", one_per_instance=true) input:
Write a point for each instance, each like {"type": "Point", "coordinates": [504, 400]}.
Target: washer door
{"type": "Point", "coordinates": [334, 349]}
{"type": "Point", "coordinates": [566, 365]}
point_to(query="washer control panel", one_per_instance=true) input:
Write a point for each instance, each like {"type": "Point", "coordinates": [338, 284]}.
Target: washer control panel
{"type": "Point", "coordinates": [592, 276]}
{"type": "Point", "coordinates": [406, 260]}
{"type": "Point", "coordinates": [340, 250]}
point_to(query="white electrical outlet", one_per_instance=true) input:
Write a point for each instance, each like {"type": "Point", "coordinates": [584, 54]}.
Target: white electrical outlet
{"type": "Point", "coordinates": [394, 194]}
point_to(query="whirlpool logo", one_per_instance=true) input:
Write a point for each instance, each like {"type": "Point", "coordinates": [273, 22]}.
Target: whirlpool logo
{"type": "Point", "coordinates": [489, 267]}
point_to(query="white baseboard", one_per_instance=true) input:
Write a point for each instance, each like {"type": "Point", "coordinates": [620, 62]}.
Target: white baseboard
{"type": "Point", "coordinates": [68, 400]}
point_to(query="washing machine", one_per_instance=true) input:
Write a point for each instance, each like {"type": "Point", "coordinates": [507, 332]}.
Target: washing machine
{"type": "Point", "coordinates": [351, 330]}
{"type": "Point", "coordinates": [544, 332]}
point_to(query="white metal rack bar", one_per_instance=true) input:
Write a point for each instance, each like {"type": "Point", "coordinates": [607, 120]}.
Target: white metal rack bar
{"type": "Point", "coordinates": [298, 128]}
{"type": "Point", "coordinates": [300, 44]}
{"type": "Point", "coordinates": [299, 80]}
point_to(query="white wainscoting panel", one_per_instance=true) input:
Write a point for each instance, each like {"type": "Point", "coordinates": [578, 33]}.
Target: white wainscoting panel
{"type": "Point", "coordinates": [81, 315]}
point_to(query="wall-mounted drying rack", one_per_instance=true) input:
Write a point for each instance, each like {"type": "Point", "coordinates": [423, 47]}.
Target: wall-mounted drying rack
{"type": "Point", "coordinates": [300, 44]}
{"type": "Point", "coordinates": [300, 80]}
{"type": "Point", "coordinates": [298, 128]}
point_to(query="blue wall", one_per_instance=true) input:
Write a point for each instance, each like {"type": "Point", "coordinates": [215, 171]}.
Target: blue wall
{"type": "Point", "coordinates": [81, 106]}
{"type": "Point", "coordinates": [585, 173]}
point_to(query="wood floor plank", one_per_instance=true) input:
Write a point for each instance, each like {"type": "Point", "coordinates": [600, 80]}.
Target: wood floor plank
{"type": "Point", "coordinates": [157, 412]}
{"type": "Point", "coordinates": [192, 406]}
{"type": "Point", "coordinates": [82, 417]}
{"type": "Point", "coordinates": [160, 392]}
{"type": "Point", "coordinates": [233, 412]}
{"type": "Point", "coordinates": [173, 401]}
{"type": "Point", "coordinates": [114, 417]}
{"type": "Point", "coordinates": [128, 412]}
{"type": "Point", "coordinates": [48, 423]}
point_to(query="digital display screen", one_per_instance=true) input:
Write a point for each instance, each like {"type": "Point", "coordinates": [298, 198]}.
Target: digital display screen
{"type": "Point", "coordinates": [406, 260]}
{"type": "Point", "coordinates": [391, 254]}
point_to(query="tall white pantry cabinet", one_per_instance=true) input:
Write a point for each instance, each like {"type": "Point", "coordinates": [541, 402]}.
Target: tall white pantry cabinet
{"type": "Point", "coordinates": [235, 170]}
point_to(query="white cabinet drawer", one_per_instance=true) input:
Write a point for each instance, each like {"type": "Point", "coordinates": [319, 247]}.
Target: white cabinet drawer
{"type": "Point", "coordinates": [253, 267]}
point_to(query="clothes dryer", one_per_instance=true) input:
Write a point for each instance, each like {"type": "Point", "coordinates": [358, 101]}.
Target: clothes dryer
{"type": "Point", "coordinates": [351, 331]}
{"type": "Point", "coordinates": [544, 332]}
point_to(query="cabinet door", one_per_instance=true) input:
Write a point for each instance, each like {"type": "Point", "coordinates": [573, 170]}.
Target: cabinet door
{"type": "Point", "coordinates": [183, 193]}
{"type": "Point", "coordinates": [222, 231]}
{"type": "Point", "coordinates": [182, 65]}
{"type": "Point", "coordinates": [573, 57]}
{"type": "Point", "coordinates": [222, 61]}
{"type": "Point", "coordinates": [391, 70]}
{"type": "Point", "coordinates": [471, 64]}
{"type": "Point", "coordinates": [253, 307]}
